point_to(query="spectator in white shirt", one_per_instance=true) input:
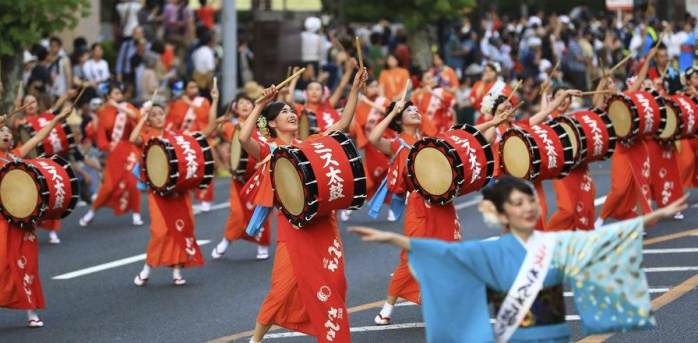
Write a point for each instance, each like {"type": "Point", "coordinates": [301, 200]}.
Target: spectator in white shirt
{"type": "Point", "coordinates": [96, 69]}
{"type": "Point", "coordinates": [204, 60]}
{"type": "Point", "coordinates": [128, 13]}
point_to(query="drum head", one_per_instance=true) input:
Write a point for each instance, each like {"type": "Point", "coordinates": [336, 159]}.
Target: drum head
{"type": "Point", "coordinates": [157, 165]}
{"type": "Point", "coordinates": [671, 123]}
{"type": "Point", "coordinates": [288, 186]}
{"type": "Point", "coordinates": [235, 151]}
{"type": "Point", "coordinates": [433, 171]}
{"type": "Point", "coordinates": [573, 137]}
{"type": "Point", "coordinates": [516, 158]}
{"type": "Point", "coordinates": [24, 136]}
{"type": "Point", "coordinates": [620, 116]}
{"type": "Point", "coordinates": [18, 193]}
{"type": "Point", "coordinates": [303, 127]}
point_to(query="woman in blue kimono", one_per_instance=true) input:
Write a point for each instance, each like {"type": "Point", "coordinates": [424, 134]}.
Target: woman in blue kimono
{"type": "Point", "coordinates": [522, 272]}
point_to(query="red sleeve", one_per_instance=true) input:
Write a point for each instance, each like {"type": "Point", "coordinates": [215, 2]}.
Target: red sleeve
{"type": "Point", "coordinates": [102, 140]}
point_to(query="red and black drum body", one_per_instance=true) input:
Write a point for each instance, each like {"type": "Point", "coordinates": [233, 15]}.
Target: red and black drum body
{"type": "Point", "coordinates": [535, 152]}
{"type": "Point", "coordinates": [178, 163]}
{"type": "Point", "coordinates": [686, 114]}
{"type": "Point", "coordinates": [59, 142]}
{"type": "Point", "coordinates": [450, 164]}
{"type": "Point", "coordinates": [317, 177]}
{"type": "Point", "coordinates": [637, 114]}
{"type": "Point", "coordinates": [598, 132]}
{"type": "Point", "coordinates": [37, 189]}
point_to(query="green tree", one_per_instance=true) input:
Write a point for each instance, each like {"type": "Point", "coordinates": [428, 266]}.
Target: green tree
{"type": "Point", "coordinates": [25, 22]}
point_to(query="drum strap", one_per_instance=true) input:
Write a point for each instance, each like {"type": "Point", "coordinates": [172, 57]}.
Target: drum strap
{"type": "Point", "coordinates": [258, 218]}
{"type": "Point", "coordinates": [119, 128]}
{"type": "Point", "coordinates": [374, 206]}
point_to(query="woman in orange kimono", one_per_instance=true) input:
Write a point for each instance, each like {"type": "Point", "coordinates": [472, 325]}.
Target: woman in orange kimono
{"type": "Point", "coordinates": [119, 186]}
{"type": "Point", "coordinates": [20, 282]}
{"type": "Point", "coordinates": [241, 209]}
{"type": "Point", "coordinates": [172, 238]}
{"type": "Point", "coordinates": [626, 198]}
{"type": "Point", "coordinates": [436, 103]}
{"type": "Point", "coordinates": [496, 103]}
{"type": "Point", "coordinates": [32, 111]}
{"type": "Point", "coordinates": [392, 79]}
{"type": "Point", "coordinates": [370, 111]}
{"type": "Point", "coordinates": [687, 148]}
{"type": "Point", "coordinates": [422, 219]}
{"type": "Point", "coordinates": [318, 100]}
{"type": "Point", "coordinates": [484, 86]}
{"type": "Point", "coordinates": [299, 275]}
{"type": "Point", "coordinates": [575, 192]}
{"type": "Point", "coordinates": [189, 113]}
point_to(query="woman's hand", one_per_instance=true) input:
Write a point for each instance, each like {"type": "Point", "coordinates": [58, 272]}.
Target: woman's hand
{"type": "Point", "coordinates": [268, 94]}
{"type": "Point", "coordinates": [373, 235]}
{"type": "Point", "coordinates": [378, 236]}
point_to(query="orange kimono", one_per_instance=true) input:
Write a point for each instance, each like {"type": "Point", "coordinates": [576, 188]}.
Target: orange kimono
{"type": "Point", "coordinates": [119, 186]}
{"type": "Point", "coordinates": [393, 81]}
{"type": "Point", "coordinates": [630, 190]}
{"type": "Point", "coordinates": [325, 114]}
{"type": "Point", "coordinates": [446, 76]}
{"type": "Point", "coordinates": [20, 282]}
{"type": "Point", "coordinates": [421, 220]}
{"type": "Point", "coordinates": [375, 162]}
{"type": "Point", "coordinates": [575, 201]}
{"type": "Point", "coordinates": [308, 284]}
{"type": "Point", "coordinates": [172, 240]}
{"type": "Point", "coordinates": [666, 183]}
{"type": "Point", "coordinates": [183, 118]}
{"type": "Point", "coordinates": [687, 161]}
{"type": "Point", "coordinates": [437, 105]}
{"type": "Point", "coordinates": [480, 90]}
{"type": "Point", "coordinates": [242, 208]}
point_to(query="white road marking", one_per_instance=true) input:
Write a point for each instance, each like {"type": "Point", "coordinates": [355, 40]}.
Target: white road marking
{"type": "Point", "coordinates": [215, 207]}
{"type": "Point", "coordinates": [468, 203]}
{"type": "Point", "coordinates": [109, 265]}
{"type": "Point", "coordinates": [670, 251]}
{"type": "Point", "coordinates": [570, 317]}
{"type": "Point", "coordinates": [670, 269]}
{"type": "Point", "coordinates": [597, 202]}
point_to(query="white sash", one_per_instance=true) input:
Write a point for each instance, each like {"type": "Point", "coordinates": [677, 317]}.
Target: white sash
{"type": "Point", "coordinates": [528, 282]}
{"type": "Point", "coordinates": [119, 126]}
{"type": "Point", "coordinates": [190, 116]}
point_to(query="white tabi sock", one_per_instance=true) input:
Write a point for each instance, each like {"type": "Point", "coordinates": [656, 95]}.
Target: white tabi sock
{"type": "Point", "coordinates": [145, 273]}
{"type": "Point", "coordinates": [387, 310]}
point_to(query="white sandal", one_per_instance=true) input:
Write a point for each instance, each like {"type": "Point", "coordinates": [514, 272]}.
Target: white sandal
{"type": "Point", "coordinates": [179, 281]}
{"type": "Point", "coordinates": [139, 281]}
{"type": "Point", "coordinates": [35, 323]}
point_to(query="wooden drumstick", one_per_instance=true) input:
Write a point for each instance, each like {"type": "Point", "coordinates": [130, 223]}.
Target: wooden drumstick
{"type": "Point", "coordinates": [605, 91]}
{"type": "Point", "coordinates": [284, 83]}
{"type": "Point", "coordinates": [513, 109]}
{"type": "Point", "coordinates": [619, 64]}
{"type": "Point", "coordinates": [359, 55]}
{"type": "Point", "coordinates": [21, 109]}
{"type": "Point", "coordinates": [516, 87]}
{"type": "Point", "coordinates": [339, 45]}
{"type": "Point", "coordinates": [82, 90]}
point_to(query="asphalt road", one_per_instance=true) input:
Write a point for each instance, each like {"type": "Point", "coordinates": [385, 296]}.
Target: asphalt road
{"type": "Point", "coordinates": [221, 299]}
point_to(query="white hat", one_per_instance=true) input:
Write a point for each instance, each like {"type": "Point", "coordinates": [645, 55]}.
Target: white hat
{"type": "Point", "coordinates": [495, 65]}
{"type": "Point", "coordinates": [28, 57]}
{"type": "Point", "coordinates": [564, 19]}
{"type": "Point", "coordinates": [313, 24]}
{"type": "Point", "coordinates": [544, 65]}
{"type": "Point", "coordinates": [533, 20]}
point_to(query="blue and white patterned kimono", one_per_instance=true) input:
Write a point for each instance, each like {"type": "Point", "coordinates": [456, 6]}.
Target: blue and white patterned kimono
{"type": "Point", "coordinates": [602, 267]}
